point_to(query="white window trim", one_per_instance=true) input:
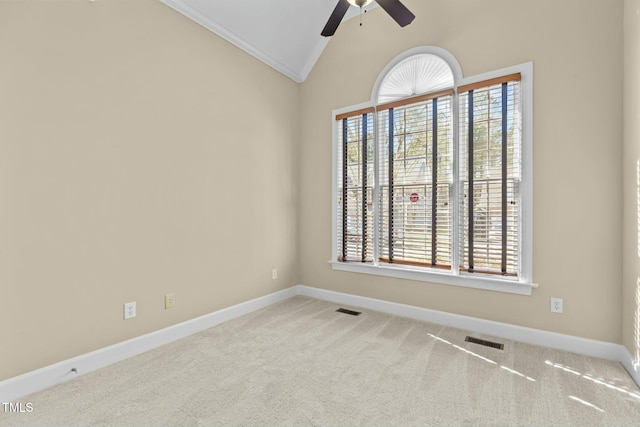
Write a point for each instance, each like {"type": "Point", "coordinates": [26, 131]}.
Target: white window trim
{"type": "Point", "coordinates": [524, 284]}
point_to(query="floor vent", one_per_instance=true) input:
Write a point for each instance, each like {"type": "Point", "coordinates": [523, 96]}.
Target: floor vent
{"type": "Point", "coordinates": [351, 312]}
{"type": "Point", "coordinates": [485, 343]}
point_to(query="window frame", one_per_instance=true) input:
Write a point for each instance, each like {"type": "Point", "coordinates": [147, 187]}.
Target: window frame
{"type": "Point", "coordinates": [524, 283]}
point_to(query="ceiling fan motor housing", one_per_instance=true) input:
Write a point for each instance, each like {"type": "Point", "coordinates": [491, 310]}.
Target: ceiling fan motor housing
{"type": "Point", "coordinates": [360, 3]}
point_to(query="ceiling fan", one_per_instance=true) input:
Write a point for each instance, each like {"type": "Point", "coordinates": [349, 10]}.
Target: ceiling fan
{"type": "Point", "coordinates": [394, 8]}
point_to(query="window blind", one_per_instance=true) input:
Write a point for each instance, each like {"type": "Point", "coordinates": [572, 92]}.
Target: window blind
{"type": "Point", "coordinates": [415, 176]}
{"type": "Point", "coordinates": [356, 164]}
{"type": "Point", "coordinates": [490, 172]}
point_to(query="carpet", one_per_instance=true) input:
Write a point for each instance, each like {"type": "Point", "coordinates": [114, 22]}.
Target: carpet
{"type": "Point", "coordinates": [301, 363]}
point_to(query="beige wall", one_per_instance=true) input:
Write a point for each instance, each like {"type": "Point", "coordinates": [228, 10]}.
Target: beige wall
{"type": "Point", "coordinates": [140, 154]}
{"type": "Point", "coordinates": [576, 48]}
{"type": "Point", "coordinates": [119, 120]}
{"type": "Point", "coordinates": [631, 165]}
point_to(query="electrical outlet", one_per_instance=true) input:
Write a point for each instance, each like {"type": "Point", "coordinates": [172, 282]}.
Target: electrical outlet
{"type": "Point", "coordinates": [274, 273]}
{"type": "Point", "coordinates": [129, 310]}
{"type": "Point", "coordinates": [556, 305]}
{"type": "Point", "coordinates": [169, 301]}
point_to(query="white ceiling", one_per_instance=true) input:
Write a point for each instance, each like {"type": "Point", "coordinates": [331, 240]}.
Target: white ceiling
{"type": "Point", "coordinates": [284, 34]}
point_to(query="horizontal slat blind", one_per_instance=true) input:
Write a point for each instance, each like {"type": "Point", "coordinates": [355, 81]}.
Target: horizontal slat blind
{"type": "Point", "coordinates": [415, 176]}
{"type": "Point", "coordinates": [515, 77]}
{"type": "Point", "coordinates": [414, 100]}
{"type": "Point", "coordinates": [355, 186]}
{"type": "Point", "coordinates": [490, 172]}
{"type": "Point", "coordinates": [356, 113]}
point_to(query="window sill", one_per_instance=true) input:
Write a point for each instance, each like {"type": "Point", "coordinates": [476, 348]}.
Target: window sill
{"type": "Point", "coordinates": [404, 272]}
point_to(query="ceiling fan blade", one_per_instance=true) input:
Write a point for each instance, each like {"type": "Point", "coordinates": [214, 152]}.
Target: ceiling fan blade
{"type": "Point", "coordinates": [398, 11]}
{"type": "Point", "coordinates": [335, 18]}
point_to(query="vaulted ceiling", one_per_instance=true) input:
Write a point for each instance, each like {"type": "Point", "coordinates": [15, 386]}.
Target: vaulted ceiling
{"type": "Point", "coordinates": [284, 34]}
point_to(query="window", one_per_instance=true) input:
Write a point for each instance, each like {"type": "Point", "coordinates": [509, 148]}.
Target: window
{"type": "Point", "coordinates": [433, 177]}
{"type": "Point", "coordinates": [415, 143]}
{"type": "Point", "coordinates": [490, 147]}
{"type": "Point", "coordinates": [355, 203]}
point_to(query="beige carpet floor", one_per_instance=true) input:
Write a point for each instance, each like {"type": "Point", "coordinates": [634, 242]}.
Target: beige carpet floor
{"type": "Point", "coordinates": [300, 363]}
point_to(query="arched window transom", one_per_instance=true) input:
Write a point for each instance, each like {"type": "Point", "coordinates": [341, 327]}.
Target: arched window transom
{"type": "Point", "coordinates": [415, 75]}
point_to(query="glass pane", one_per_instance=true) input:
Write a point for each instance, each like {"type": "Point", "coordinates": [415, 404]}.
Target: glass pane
{"type": "Point", "coordinates": [489, 237]}
{"type": "Point", "coordinates": [416, 227]}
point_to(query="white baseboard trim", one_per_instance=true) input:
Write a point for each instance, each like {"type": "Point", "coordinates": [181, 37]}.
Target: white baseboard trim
{"type": "Point", "coordinates": [585, 346]}
{"type": "Point", "coordinates": [31, 382]}
{"type": "Point", "coordinates": [631, 364]}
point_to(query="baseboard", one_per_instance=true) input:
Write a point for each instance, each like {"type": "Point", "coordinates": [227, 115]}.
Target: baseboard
{"type": "Point", "coordinates": [31, 382]}
{"type": "Point", "coordinates": [585, 346]}
{"type": "Point", "coordinates": [630, 363]}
